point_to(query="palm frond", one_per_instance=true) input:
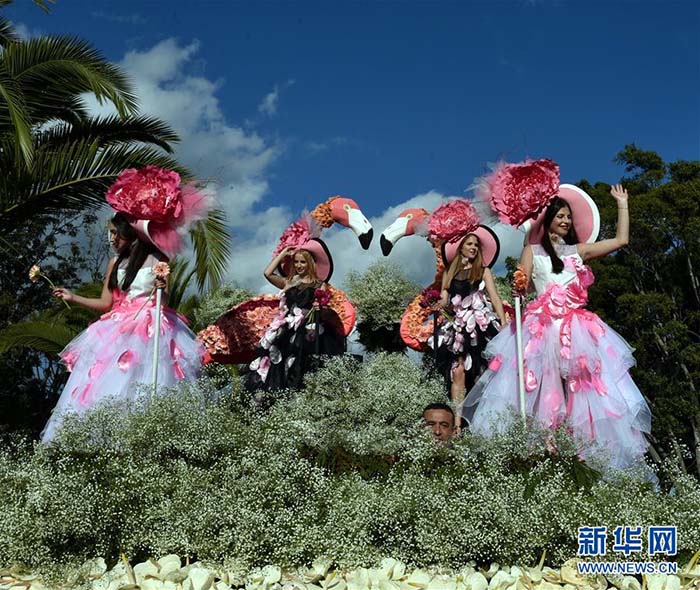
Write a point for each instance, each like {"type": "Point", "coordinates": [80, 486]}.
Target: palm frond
{"type": "Point", "coordinates": [50, 336]}
{"type": "Point", "coordinates": [180, 277]}
{"type": "Point", "coordinates": [211, 241]}
{"type": "Point", "coordinates": [110, 130]}
{"type": "Point", "coordinates": [13, 116]}
{"type": "Point", "coordinates": [52, 67]}
{"type": "Point", "coordinates": [72, 177]}
{"type": "Point", "coordinates": [7, 33]}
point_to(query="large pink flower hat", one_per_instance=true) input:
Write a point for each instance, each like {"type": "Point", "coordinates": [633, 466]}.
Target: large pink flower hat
{"type": "Point", "coordinates": [158, 205]}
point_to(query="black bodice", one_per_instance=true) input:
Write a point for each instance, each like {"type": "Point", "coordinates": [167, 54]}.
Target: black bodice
{"type": "Point", "coordinates": [462, 287]}
{"type": "Point", "coordinates": [301, 296]}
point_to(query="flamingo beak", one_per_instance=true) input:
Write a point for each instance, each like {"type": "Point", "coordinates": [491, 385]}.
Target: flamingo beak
{"type": "Point", "coordinates": [392, 234]}
{"type": "Point", "coordinates": [358, 223]}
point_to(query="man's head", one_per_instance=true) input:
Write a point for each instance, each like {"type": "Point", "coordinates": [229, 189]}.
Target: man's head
{"type": "Point", "coordinates": [441, 420]}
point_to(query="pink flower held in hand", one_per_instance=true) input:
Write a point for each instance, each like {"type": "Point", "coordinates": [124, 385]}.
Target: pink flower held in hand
{"type": "Point", "coordinates": [322, 297]}
{"type": "Point", "coordinates": [161, 270]}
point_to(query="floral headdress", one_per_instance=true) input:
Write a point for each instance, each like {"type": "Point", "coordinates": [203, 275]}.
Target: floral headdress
{"type": "Point", "coordinates": [452, 219]}
{"type": "Point", "coordinates": [298, 234]}
{"type": "Point", "coordinates": [158, 206]}
{"type": "Point", "coordinates": [518, 192]}
{"type": "Point", "coordinates": [303, 235]}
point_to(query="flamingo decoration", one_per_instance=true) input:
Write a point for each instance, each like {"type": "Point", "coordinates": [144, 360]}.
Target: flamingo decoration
{"type": "Point", "coordinates": [415, 325]}
{"type": "Point", "coordinates": [234, 337]}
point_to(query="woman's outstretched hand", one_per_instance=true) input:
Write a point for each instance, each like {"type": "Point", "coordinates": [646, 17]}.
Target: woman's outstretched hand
{"type": "Point", "coordinates": [63, 293]}
{"type": "Point", "coordinates": [619, 194]}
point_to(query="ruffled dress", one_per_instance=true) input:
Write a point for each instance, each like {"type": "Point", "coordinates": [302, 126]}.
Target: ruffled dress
{"type": "Point", "coordinates": [288, 349]}
{"type": "Point", "coordinates": [115, 353]}
{"type": "Point", "coordinates": [576, 370]}
{"type": "Point", "coordinates": [464, 337]}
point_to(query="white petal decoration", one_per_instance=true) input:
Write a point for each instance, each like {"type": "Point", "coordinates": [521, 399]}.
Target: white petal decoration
{"type": "Point", "coordinates": [419, 579]}
{"type": "Point", "coordinates": [272, 575]}
{"type": "Point", "coordinates": [477, 581]}
{"type": "Point", "coordinates": [501, 580]}
{"type": "Point", "coordinates": [168, 564]}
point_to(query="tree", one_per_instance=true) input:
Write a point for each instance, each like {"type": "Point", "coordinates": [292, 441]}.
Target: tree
{"type": "Point", "coordinates": [381, 295]}
{"type": "Point", "coordinates": [650, 293]}
{"type": "Point", "coordinates": [56, 157]}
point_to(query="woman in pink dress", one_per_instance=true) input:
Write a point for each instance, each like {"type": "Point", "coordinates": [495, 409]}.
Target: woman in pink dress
{"type": "Point", "coordinates": [115, 354]}
{"type": "Point", "coordinates": [576, 367]}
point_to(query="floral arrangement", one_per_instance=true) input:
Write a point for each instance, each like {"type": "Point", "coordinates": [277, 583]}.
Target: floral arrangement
{"type": "Point", "coordinates": [429, 298]}
{"type": "Point", "coordinates": [452, 219]}
{"type": "Point", "coordinates": [322, 297]}
{"type": "Point", "coordinates": [35, 274]}
{"type": "Point", "coordinates": [472, 313]}
{"type": "Point", "coordinates": [518, 192]}
{"type": "Point", "coordinates": [237, 467]}
{"type": "Point", "coordinates": [149, 193]}
{"type": "Point", "coordinates": [297, 234]}
{"type": "Point", "coordinates": [520, 282]}
{"type": "Point", "coordinates": [170, 572]}
{"type": "Point", "coordinates": [156, 195]}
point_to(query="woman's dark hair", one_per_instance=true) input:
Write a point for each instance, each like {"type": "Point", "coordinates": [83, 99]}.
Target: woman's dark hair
{"type": "Point", "coordinates": [570, 238]}
{"type": "Point", "coordinates": [136, 252]}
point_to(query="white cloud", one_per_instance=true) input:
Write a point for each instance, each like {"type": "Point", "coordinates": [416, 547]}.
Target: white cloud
{"type": "Point", "coordinates": [238, 161]}
{"type": "Point", "coordinates": [268, 106]}
{"type": "Point", "coordinates": [23, 31]}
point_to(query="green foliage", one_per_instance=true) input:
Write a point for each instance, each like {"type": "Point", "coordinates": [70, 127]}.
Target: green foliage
{"type": "Point", "coordinates": [381, 295]}
{"type": "Point", "coordinates": [217, 302]}
{"type": "Point", "coordinates": [342, 470]}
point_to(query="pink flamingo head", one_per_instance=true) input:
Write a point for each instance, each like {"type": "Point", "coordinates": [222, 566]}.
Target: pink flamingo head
{"type": "Point", "coordinates": [346, 212]}
{"type": "Point", "coordinates": [407, 223]}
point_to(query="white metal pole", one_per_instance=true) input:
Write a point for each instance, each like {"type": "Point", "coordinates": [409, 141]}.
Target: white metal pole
{"type": "Point", "coordinates": [156, 338]}
{"type": "Point", "coordinates": [521, 364]}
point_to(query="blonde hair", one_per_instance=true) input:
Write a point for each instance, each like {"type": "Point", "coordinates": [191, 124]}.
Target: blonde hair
{"type": "Point", "coordinates": [309, 261]}
{"type": "Point", "coordinates": [477, 270]}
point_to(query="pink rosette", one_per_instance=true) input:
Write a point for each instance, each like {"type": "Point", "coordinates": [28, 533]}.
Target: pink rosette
{"type": "Point", "coordinates": [297, 234]}
{"type": "Point", "coordinates": [429, 297]}
{"type": "Point", "coordinates": [452, 219]}
{"type": "Point", "coordinates": [149, 193]}
{"type": "Point", "coordinates": [518, 192]}
{"type": "Point", "coordinates": [322, 297]}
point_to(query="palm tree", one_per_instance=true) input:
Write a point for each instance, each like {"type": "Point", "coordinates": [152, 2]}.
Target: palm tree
{"type": "Point", "coordinates": [55, 157]}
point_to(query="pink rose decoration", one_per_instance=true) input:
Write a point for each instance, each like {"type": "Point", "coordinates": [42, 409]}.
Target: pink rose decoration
{"type": "Point", "coordinates": [518, 192]}
{"type": "Point", "coordinates": [149, 193]}
{"type": "Point", "coordinates": [429, 298]}
{"type": "Point", "coordinates": [322, 297]}
{"type": "Point", "coordinates": [452, 219]}
{"type": "Point", "coordinates": [295, 236]}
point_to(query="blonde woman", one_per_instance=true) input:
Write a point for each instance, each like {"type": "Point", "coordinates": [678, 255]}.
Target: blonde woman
{"type": "Point", "coordinates": [289, 345]}
{"type": "Point", "coordinates": [472, 303]}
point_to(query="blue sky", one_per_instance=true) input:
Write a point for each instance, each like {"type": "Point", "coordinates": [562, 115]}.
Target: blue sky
{"type": "Point", "coordinates": [387, 101]}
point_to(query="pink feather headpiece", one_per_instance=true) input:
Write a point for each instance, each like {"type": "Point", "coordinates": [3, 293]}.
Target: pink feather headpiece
{"type": "Point", "coordinates": [518, 192]}
{"type": "Point", "coordinates": [452, 219]}
{"type": "Point", "coordinates": [158, 206]}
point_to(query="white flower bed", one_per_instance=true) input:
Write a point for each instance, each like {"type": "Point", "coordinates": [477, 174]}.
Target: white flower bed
{"type": "Point", "coordinates": [169, 573]}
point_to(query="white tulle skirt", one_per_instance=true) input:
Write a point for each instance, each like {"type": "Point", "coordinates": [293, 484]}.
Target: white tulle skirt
{"type": "Point", "coordinates": [115, 354]}
{"type": "Point", "coordinates": [576, 372]}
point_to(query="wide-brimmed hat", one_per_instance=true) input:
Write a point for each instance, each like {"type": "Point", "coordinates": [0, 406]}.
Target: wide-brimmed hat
{"type": "Point", "coordinates": [585, 214]}
{"type": "Point", "coordinates": [321, 255]}
{"type": "Point", "coordinates": [490, 246]}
